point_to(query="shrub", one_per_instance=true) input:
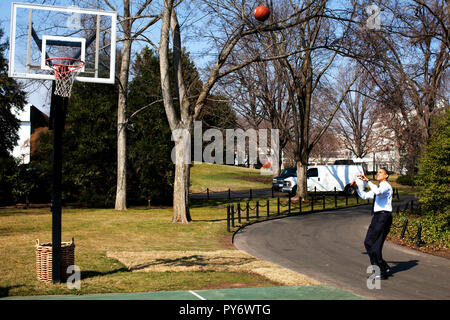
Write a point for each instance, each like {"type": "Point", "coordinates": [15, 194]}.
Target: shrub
{"type": "Point", "coordinates": [434, 169]}
{"type": "Point", "coordinates": [435, 231]}
{"type": "Point", "coordinates": [406, 180]}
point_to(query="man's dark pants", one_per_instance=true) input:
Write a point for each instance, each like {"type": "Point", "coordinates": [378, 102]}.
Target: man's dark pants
{"type": "Point", "coordinates": [376, 235]}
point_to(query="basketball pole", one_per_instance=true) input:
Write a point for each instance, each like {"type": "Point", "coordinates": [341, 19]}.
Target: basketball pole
{"type": "Point", "coordinates": [58, 108]}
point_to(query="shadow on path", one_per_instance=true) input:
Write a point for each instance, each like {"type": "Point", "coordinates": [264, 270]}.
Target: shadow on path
{"type": "Point", "coordinates": [399, 266]}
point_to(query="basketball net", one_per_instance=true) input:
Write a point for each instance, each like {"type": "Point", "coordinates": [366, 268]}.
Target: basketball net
{"type": "Point", "coordinates": [65, 70]}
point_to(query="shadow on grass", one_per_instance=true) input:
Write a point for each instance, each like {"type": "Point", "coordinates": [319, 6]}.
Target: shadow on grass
{"type": "Point", "coordinates": [209, 220]}
{"type": "Point", "coordinates": [91, 273]}
{"type": "Point", "coordinates": [196, 261]}
{"type": "Point", "coordinates": [4, 291]}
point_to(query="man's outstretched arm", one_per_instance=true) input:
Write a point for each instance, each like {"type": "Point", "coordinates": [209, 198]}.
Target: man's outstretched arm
{"type": "Point", "coordinates": [362, 194]}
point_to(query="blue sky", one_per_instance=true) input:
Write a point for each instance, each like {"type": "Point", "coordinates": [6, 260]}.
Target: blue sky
{"type": "Point", "coordinates": [39, 97]}
{"type": "Point", "coordinates": [38, 94]}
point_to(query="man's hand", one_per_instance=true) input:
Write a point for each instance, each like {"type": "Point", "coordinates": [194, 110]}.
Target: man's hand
{"type": "Point", "coordinates": [354, 185]}
{"type": "Point", "coordinates": [363, 177]}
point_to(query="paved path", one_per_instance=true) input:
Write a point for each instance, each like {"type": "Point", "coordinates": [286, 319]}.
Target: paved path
{"type": "Point", "coordinates": [328, 246]}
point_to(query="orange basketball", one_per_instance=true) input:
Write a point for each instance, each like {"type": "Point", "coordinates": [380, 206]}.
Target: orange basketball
{"type": "Point", "coordinates": [261, 13]}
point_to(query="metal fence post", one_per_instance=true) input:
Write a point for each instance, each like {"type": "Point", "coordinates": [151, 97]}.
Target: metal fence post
{"type": "Point", "coordinates": [419, 235]}
{"type": "Point", "coordinates": [232, 215]}
{"type": "Point", "coordinates": [268, 210]}
{"type": "Point", "coordinates": [229, 194]}
{"type": "Point", "coordinates": [312, 203]}
{"type": "Point", "coordinates": [405, 225]}
{"type": "Point", "coordinates": [272, 191]}
{"type": "Point", "coordinates": [335, 198]}
{"type": "Point", "coordinates": [207, 193]}
{"type": "Point", "coordinates": [239, 212]}
{"type": "Point", "coordinates": [250, 194]}
{"type": "Point", "coordinates": [278, 206]}
{"type": "Point", "coordinates": [257, 208]}
{"type": "Point", "coordinates": [248, 205]}
{"type": "Point", "coordinates": [346, 199]}
{"type": "Point", "coordinates": [228, 218]}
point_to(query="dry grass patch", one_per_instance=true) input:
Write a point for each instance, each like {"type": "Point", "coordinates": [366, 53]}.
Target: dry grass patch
{"type": "Point", "coordinates": [217, 261]}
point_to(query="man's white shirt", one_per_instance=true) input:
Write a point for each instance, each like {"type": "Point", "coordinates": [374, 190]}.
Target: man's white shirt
{"type": "Point", "coordinates": [383, 199]}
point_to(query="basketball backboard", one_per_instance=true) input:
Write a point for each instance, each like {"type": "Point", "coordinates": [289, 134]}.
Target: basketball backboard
{"type": "Point", "coordinates": [39, 32]}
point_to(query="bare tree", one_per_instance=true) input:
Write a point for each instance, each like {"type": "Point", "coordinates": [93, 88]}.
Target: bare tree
{"type": "Point", "coordinates": [316, 38]}
{"type": "Point", "coordinates": [327, 147]}
{"type": "Point", "coordinates": [408, 59]}
{"type": "Point", "coordinates": [355, 119]}
{"type": "Point", "coordinates": [233, 21]}
{"type": "Point", "coordinates": [426, 37]}
{"type": "Point", "coordinates": [133, 22]}
{"type": "Point", "coordinates": [259, 95]}
{"type": "Point", "coordinates": [300, 79]}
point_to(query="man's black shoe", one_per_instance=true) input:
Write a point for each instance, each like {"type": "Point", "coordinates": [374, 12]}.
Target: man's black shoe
{"type": "Point", "coordinates": [386, 271]}
{"type": "Point", "coordinates": [383, 276]}
{"type": "Point", "coordinates": [385, 267]}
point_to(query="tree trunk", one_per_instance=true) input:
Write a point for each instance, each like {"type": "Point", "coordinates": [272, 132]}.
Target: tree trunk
{"type": "Point", "coordinates": [181, 188]}
{"type": "Point", "coordinates": [301, 180]}
{"type": "Point", "coordinates": [121, 191]}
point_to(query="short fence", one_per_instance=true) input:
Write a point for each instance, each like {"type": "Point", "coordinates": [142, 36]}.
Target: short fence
{"type": "Point", "coordinates": [417, 237]}
{"type": "Point", "coordinates": [234, 194]}
{"type": "Point", "coordinates": [262, 209]}
{"type": "Point", "coordinates": [254, 193]}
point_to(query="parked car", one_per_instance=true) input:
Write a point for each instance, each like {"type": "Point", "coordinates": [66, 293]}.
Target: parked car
{"type": "Point", "coordinates": [277, 182]}
{"type": "Point", "coordinates": [326, 178]}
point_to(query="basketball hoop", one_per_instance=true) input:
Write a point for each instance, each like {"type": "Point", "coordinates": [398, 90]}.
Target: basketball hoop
{"type": "Point", "coordinates": [65, 71]}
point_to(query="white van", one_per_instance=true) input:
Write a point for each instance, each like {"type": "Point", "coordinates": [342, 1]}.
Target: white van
{"type": "Point", "coordinates": [326, 178]}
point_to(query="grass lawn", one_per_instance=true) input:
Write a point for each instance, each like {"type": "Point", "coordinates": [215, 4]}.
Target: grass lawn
{"type": "Point", "coordinates": [99, 231]}
{"type": "Point", "coordinates": [221, 177]}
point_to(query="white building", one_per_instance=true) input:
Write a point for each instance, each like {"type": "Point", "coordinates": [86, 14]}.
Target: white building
{"type": "Point", "coordinates": [30, 119]}
{"type": "Point", "coordinates": [23, 148]}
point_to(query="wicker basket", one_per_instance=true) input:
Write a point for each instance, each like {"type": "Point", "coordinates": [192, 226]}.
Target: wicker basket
{"type": "Point", "coordinates": [44, 260]}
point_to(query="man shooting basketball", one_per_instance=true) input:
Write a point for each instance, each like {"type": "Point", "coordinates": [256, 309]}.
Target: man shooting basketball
{"type": "Point", "coordinates": [382, 218]}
